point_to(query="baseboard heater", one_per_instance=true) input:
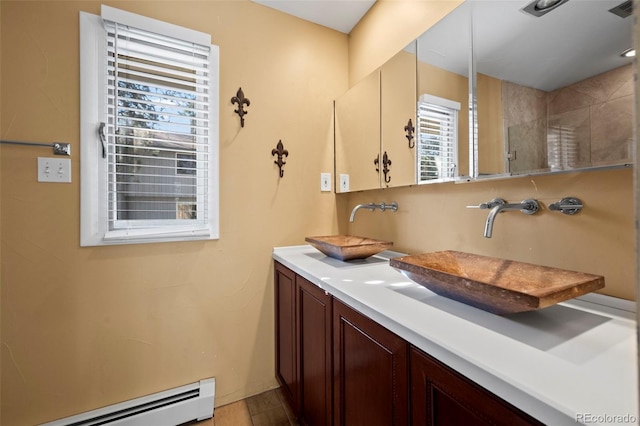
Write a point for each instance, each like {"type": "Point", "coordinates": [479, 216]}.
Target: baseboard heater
{"type": "Point", "coordinates": [167, 408]}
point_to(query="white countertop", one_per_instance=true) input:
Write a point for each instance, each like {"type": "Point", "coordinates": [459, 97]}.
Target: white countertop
{"type": "Point", "coordinates": [574, 362]}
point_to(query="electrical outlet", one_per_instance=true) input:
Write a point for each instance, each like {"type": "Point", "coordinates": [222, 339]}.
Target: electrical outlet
{"type": "Point", "coordinates": [325, 182]}
{"type": "Point", "coordinates": [54, 170]}
{"type": "Point", "coordinates": [344, 183]}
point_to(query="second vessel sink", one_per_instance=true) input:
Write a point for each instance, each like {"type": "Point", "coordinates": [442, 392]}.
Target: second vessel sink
{"type": "Point", "coordinates": [348, 247]}
{"type": "Point", "coordinates": [495, 285]}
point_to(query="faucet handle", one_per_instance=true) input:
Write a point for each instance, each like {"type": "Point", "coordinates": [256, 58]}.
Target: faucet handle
{"type": "Point", "coordinates": [568, 205]}
{"type": "Point", "coordinates": [489, 205]}
{"type": "Point", "coordinates": [530, 206]}
{"type": "Point", "coordinates": [384, 206]}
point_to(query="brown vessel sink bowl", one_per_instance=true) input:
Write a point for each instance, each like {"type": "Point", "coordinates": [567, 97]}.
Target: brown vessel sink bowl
{"type": "Point", "coordinates": [348, 247]}
{"type": "Point", "coordinates": [495, 285]}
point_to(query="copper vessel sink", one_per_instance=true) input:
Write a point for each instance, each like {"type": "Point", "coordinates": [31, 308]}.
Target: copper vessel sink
{"type": "Point", "coordinates": [495, 285]}
{"type": "Point", "coordinates": [348, 247]}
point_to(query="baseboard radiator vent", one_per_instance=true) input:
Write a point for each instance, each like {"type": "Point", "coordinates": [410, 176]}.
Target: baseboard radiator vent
{"type": "Point", "coordinates": [167, 408]}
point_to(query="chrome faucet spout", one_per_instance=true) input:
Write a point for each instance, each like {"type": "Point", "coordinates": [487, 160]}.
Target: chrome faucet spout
{"type": "Point", "coordinates": [370, 206]}
{"type": "Point", "coordinates": [528, 206]}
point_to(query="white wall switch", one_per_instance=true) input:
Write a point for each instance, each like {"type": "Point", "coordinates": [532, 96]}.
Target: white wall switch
{"type": "Point", "coordinates": [325, 182]}
{"type": "Point", "coordinates": [54, 170]}
{"type": "Point", "coordinates": [344, 183]}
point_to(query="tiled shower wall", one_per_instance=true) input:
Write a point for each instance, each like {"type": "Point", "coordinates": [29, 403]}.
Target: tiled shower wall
{"type": "Point", "coordinates": [589, 123]}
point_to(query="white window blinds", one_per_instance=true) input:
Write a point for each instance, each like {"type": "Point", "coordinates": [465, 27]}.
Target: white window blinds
{"type": "Point", "coordinates": [157, 111]}
{"type": "Point", "coordinates": [437, 148]}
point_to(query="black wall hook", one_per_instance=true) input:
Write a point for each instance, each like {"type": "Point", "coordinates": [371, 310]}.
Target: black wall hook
{"type": "Point", "coordinates": [386, 163]}
{"type": "Point", "coordinates": [280, 152]}
{"type": "Point", "coordinates": [241, 101]}
{"type": "Point", "coordinates": [410, 129]}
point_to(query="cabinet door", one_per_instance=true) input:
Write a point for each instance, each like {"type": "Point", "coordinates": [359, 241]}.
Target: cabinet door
{"type": "Point", "coordinates": [285, 330]}
{"type": "Point", "coordinates": [357, 134]}
{"type": "Point", "coordinates": [397, 107]}
{"type": "Point", "coordinates": [314, 337]}
{"type": "Point", "coordinates": [440, 396]}
{"type": "Point", "coordinates": [370, 371]}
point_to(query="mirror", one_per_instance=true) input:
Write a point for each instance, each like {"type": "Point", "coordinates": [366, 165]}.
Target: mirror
{"type": "Point", "coordinates": [553, 92]}
{"type": "Point", "coordinates": [357, 135]}
{"type": "Point", "coordinates": [549, 93]}
{"type": "Point", "coordinates": [443, 54]}
{"type": "Point", "coordinates": [398, 118]}
{"type": "Point", "coordinates": [372, 122]}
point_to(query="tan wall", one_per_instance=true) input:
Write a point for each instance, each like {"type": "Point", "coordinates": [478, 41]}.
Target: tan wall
{"type": "Point", "coordinates": [86, 327]}
{"type": "Point", "coordinates": [388, 27]}
{"type": "Point", "coordinates": [600, 240]}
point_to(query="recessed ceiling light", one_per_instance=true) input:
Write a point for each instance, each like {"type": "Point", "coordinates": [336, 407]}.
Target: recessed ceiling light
{"type": "Point", "coordinates": [546, 4]}
{"type": "Point", "coordinates": [540, 7]}
{"type": "Point", "coordinates": [629, 53]}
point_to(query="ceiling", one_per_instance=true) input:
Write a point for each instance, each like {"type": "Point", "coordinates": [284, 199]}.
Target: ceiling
{"type": "Point", "coordinates": [579, 39]}
{"type": "Point", "coordinates": [341, 15]}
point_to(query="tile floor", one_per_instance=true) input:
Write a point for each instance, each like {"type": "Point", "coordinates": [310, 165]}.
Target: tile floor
{"type": "Point", "coordinates": [266, 409]}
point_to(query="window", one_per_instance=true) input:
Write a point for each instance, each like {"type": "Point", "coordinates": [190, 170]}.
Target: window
{"type": "Point", "coordinates": [149, 131]}
{"type": "Point", "coordinates": [437, 152]}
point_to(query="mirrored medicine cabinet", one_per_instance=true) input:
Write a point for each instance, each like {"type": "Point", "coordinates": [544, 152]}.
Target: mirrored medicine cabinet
{"type": "Point", "coordinates": [492, 91]}
{"type": "Point", "coordinates": [554, 92]}
{"type": "Point", "coordinates": [375, 125]}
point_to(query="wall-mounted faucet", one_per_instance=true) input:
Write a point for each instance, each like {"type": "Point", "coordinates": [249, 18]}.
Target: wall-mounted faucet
{"type": "Point", "coordinates": [498, 205]}
{"type": "Point", "coordinates": [372, 206]}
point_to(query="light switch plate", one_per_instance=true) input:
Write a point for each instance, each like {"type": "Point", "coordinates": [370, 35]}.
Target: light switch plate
{"type": "Point", "coordinates": [56, 170]}
{"type": "Point", "coordinates": [325, 182]}
{"type": "Point", "coordinates": [344, 183]}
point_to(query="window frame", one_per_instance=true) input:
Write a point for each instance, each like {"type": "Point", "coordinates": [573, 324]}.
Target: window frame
{"type": "Point", "coordinates": [94, 208]}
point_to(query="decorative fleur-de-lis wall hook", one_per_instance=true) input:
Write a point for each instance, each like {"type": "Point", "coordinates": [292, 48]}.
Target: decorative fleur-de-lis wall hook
{"type": "Point", "coordinates": [241, 101]}
{"type": "Point", "coordinates": [280, 152]}
{"type": "Point", "coordinates": [386, 162]}
{"type": "Point", "coordinates": [410, 129]}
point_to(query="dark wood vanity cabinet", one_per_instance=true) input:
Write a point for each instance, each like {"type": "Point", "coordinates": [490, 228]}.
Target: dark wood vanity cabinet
{"type": "Point", "coordinates": [303, 346]}
{"type": "Point", "coordinates": [285, 331]}
{"type": "Point", "coordinates": [441, 396]}
{"type": "Point", "coordinates": [337, 366]}
{"type": "Point", "coordinates": [370, 371]}
{"type": "Point", "coordinates": [314, 308]}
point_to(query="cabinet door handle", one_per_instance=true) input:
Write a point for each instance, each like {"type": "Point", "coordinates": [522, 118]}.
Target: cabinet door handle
{"type": "Point", "coordinates": [410, 129]}
{"type": "Point", "coordinates": [386, 163]}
